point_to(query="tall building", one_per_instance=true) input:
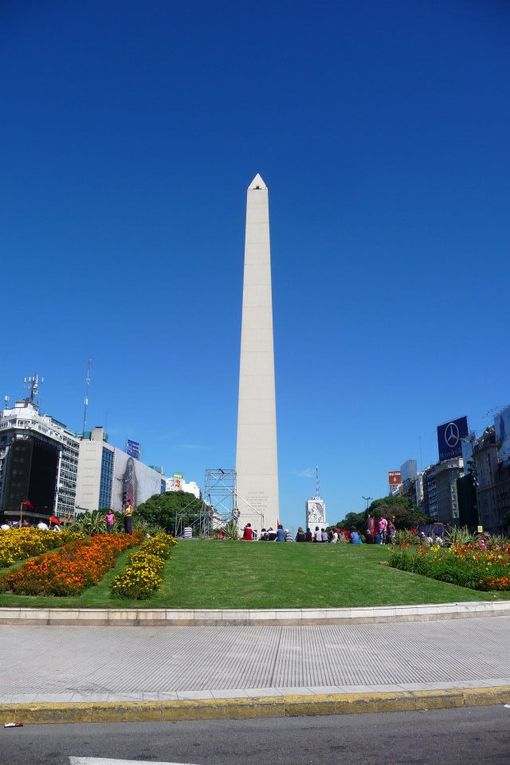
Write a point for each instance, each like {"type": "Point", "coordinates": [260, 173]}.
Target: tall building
{"type": "Point", "coordinates": [256, 459]}
{"type": "Point", "coordinates": [110, 477]}
{"type": "Point", "coordinates": [440, 499]}
{"type": "Point", "coordinates": [38, 463]}
{"type": "Point", "coordinates": [492, 475]}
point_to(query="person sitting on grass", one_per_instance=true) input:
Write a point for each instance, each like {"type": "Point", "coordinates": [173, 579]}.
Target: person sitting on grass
{"type": "Point", "coordinates": [355, 538]}
{"type": "Point", "coordinates": [280, 533]}
{"type": "Point", "coordinates": [248, 533]}
{"type": "Point", "coordinates": [300, 536]}
{"type": "Point", "coordinates": [308, 535]}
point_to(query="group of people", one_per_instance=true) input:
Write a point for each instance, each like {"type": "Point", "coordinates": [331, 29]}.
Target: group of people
{"type": "Point", "coordinates": [381, 530]}
{"type": "Point", "coordinates": [127, 516]}
{"type": "Point", "coordinates": [266, 535]}
{"type": "Point", "coordinates": [54, 524]}
{"type": "Point", "coordinates": [318, 536]}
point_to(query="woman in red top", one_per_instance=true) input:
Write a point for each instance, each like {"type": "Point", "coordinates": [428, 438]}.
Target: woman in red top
{"type": "Point", "coordinates": [248, 533]}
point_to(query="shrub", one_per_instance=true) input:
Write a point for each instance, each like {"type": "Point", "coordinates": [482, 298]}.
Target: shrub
{"type": "Point", "coordinates": [91, 522]}
{"type": "Point", "coordinates": [143, 575]}
{"type": "Point", "coordinates": [465, 565]}
{"type": "Point", "coordinates": [405, 538]}
{"type": "Point", "coordinates": [69, 571]}
{"type": "Point", "coordinates": [460, 536]}
{"type": "Point", "coordinates": [17, 544]}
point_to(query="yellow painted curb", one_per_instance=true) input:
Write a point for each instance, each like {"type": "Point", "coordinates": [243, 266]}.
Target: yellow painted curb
{"type": "Point", "coordinates": [239, 708]}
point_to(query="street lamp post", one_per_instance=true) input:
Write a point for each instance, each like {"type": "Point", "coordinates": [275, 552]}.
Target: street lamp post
{"type": "Point", "coordinates": [368, 499]}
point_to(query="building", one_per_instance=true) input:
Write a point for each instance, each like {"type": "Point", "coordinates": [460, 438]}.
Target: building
{"type": "Point", "coordinates": [177, 483]}
{"type": "Point", "coordinates": [257, 458]}
{"type": "Point", "coordinates": [110, 477]}
{"type": "Point", "coordinates": [38, 463]}
{"type": "Point", "coordinates": [468, 506]}
{"type": "Point", "coordinates": [440, 499]}
{"type": "Point", "coordinates": [492, 477]}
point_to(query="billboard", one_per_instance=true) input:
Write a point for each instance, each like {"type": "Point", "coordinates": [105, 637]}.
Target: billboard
{"type": "Point", "coordinates": [31, 475]}
{"type": "Point", "coordinates": [502, 428]}
{"type": "Point", "coordinates": [408, 470]}
{"type": "Point", "coordinates": [133, 449]}
{"type": "Point", "coordinates": [132, 481]}
{"type": "Point", "coordinates": [394, 478]}
{"type": "Point", "coordinates": [449, 438]}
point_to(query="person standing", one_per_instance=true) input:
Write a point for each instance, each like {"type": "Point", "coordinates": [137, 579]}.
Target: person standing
{"type": "Point", "coordinates": [392, 530]}
{"type": "Point", "coordinates": [128, 518]}
{"type": "Point", "coordinates": [110, 521]}
{"type": "Point", "coordinates": [370, 529]}
{"type": "Point", "coordinates": [382, 526]}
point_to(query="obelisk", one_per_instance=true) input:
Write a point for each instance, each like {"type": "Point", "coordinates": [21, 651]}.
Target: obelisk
{"type": "Point", "coordinates": [257, 459]}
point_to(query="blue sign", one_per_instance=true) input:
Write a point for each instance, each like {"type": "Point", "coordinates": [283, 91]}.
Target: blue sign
{"type": "Point", "coordinates": [133, 449]}
{"type": "Point", "coordinates": [449, 438]}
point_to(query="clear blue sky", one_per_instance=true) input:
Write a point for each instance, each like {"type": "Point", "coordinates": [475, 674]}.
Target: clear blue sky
{"type": "Point", "coordinates": [130, 132]}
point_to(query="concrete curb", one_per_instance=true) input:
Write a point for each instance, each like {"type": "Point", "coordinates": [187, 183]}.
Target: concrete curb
{"type": "Point", "coordinates": [251, 617]}
{"type": "Point", "coordinates": [242, 708]}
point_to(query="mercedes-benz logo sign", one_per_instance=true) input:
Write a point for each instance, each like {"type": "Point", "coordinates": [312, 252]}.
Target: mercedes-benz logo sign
{"type": "Point", "coordinates": [451, 435]}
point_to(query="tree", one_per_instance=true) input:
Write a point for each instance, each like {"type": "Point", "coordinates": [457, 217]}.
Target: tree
{"type": "Point", "coordinates": [406, 513]}
{"type": "Point", "coordinates": [172, 509]}
{"type": "Point", "coordinates": [353, 520]}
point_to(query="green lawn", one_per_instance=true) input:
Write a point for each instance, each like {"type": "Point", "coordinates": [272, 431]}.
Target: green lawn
{"type": "Point", "coordinates": [214, 574]}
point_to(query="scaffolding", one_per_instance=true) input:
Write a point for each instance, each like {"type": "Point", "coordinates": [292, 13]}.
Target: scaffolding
{"type": "Point", "coordinates": [220, 495]}
{"type": "Point", "coordinates": [200, 522]}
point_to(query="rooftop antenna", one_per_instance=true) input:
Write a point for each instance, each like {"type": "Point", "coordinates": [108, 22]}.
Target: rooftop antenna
{"type": "Point", "coordinates": [317, 483]}
{"type": "Point", "coordinates": [86, 399]}
{"type": "Point", "coordinates": [32, 384]}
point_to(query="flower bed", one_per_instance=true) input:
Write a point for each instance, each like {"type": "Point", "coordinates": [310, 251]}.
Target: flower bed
{"type": "Point", "coordinates": [17, 544]}
{"type": "Point", "coordinates": [465, 565]}
{"type": "Point", "coordinates": [69, 571]}
{"type": "Point", "coordinates": [143, 575]}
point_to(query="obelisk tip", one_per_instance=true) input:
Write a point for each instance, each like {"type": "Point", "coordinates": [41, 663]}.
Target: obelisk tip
{"type": "Point", "coordinates": [257, 183]}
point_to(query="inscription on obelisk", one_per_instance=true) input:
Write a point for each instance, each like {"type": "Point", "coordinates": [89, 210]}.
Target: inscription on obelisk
{"type": "Point", "coordinates": [257, 459]}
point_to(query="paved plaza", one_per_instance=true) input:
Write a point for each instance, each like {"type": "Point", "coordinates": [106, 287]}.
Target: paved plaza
{"type": "Point", "coordinates": [71, 664]}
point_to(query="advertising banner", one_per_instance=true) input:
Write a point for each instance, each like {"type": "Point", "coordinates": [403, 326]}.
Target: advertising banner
{"type": "Point", "coordinates": [449, 438]}
{"type": "Point", "coordinates": [502, 428]}
{"type": "Point", "coordinates": [133, 449]}
{"type": "Point", "coordinates": [394, 478]}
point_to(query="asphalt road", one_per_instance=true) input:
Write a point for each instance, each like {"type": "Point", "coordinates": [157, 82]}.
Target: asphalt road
{"type": "Point", "coordinates": [468, 735]}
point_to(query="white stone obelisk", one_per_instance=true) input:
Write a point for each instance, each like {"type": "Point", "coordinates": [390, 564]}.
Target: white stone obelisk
{"type": "Point", "coordinates": [257, 459]}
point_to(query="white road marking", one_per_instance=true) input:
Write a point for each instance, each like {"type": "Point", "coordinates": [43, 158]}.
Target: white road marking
{"type": "Point", "coordinates": [109, 761]}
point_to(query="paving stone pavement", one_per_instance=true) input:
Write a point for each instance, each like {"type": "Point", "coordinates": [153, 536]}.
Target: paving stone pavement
{"type": "Point", "coordinates": [50, 663]}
